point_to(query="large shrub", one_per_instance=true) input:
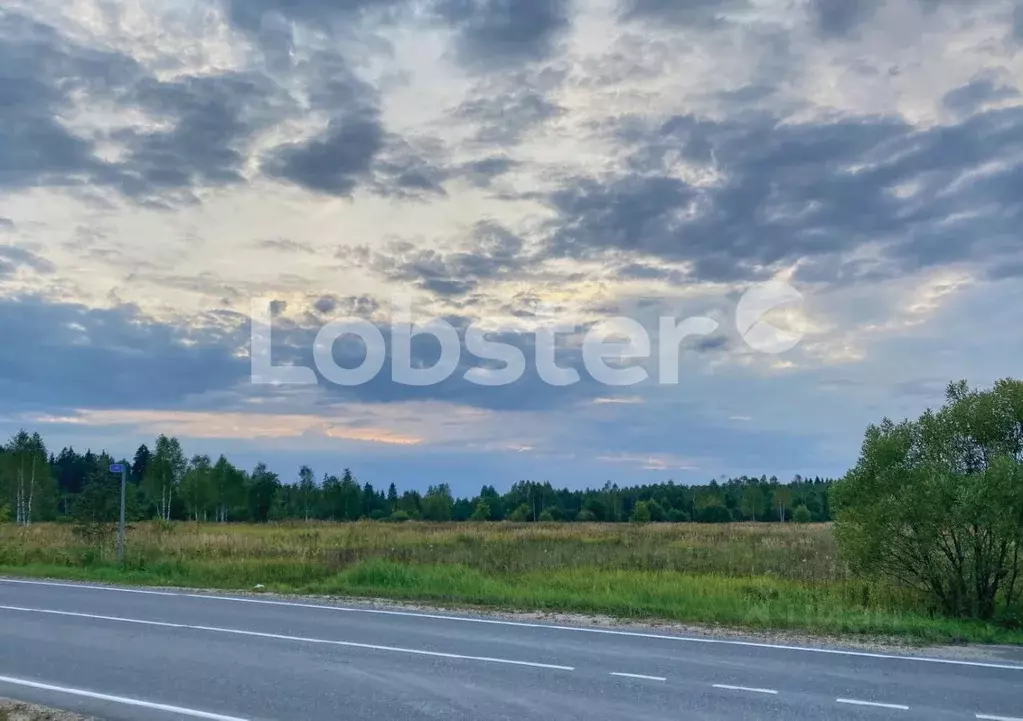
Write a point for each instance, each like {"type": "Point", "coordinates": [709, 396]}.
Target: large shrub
{"type": "Point", "coordinates": [937, 503]}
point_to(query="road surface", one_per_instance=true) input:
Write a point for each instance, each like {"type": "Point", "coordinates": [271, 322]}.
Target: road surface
{"type": "Point", "coordinates": [122, 653]}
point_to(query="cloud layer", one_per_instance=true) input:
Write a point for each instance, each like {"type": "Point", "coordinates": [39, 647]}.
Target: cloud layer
{"type": "Point", "coordinates": [511, 166]}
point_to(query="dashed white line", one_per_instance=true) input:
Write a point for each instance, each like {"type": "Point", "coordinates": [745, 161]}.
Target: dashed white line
{"type": "Point", "coordinates": [726, 687]}
{"type": "Point", "coordinates": [118, 699]}
{"type": "Point", "coordinates": [282, 637]}
{"type": "Point", "coordinates": [548, 627]}
{"type": "Point", "coordinates": [854, 702]}
{"type": "Point", "coordinates": [639, 676]}
{"type": "Point", "coordinates": [983, 717]}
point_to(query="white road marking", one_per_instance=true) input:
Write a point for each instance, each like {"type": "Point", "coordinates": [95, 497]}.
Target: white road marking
{"type": "Point", "coordinates": [854, 702]}
{"type": "Point", "coordinates": [639, 676]}
{"type": "Point", "coordinates": [551, 627]}
{"type": "Point", "coordinates": [744, 688]}
{"type": "Point", "coordinates": [282, 637]}
{"type": "Point", "coordinates": [90, 588]}
{"type": "Point", "coordinates": [997, 718]}
{"type": "Point", "coordinates": [118, 699]}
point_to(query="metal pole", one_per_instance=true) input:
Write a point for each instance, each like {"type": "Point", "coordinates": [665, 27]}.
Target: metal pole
{"type": "Point", "coordinates": [120, 527]}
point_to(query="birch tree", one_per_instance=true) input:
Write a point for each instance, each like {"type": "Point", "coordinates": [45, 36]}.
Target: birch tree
{"type": "Point", "coordinates": [164, 473]}
{"type": "Point", "coordinates": [26, 475]}
{"type": "Point", "coordinates": [197, 487]}
{"type": "Point", "coordinates": [306, 490]}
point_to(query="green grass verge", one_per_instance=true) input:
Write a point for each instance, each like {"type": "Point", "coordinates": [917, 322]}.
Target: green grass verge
{"type": "Point", "coordinates": [757, 603]}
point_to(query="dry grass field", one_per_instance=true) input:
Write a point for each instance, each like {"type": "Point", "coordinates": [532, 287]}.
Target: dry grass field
{"type": "Point", "coordinates": [764, 576]}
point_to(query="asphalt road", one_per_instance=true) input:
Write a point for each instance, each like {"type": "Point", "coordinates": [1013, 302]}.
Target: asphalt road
{"type": "Point", "coordinates": [138, 654]}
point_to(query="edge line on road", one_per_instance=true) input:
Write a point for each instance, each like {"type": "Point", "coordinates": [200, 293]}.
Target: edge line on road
{"type": "Point", "coordinates": [550, 627]}
{"type": "Point", "coordinates": [283, 637]}
{"type": "Point", "coordinates": [117, 699]}
{"type": "Point", "coordinates": [984, 717]}
{"type": "Point", "coordinates": [90, 587]}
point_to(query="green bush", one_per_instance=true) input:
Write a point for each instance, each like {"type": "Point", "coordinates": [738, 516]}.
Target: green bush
{"type": "Point", "coordinates": [936, 504]}
{"type": "Point", "coordinates": [640, 513]}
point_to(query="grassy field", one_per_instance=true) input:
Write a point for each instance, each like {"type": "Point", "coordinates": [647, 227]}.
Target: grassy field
{"type": "Point", "coordinates": [760, 576]}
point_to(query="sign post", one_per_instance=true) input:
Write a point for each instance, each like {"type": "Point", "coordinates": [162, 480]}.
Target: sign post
{"type": "Point", "coordinates": [123, 470]}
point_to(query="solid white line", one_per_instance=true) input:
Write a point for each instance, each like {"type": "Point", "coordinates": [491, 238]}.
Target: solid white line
{"type": "Point", "coordinates": [90, 588]}
{"type": "Point", "coordinates": [898, 707]}
{"type": "Point", "coordinates": [639, 676]}
{"type": "Point", "coordinates": [744, 688]}
{"type": "Point", "coordinates": [997, 718]}
{"type": "Point", "coordinates": [551, 627]}
{"type": "Point", "coordinates": [118, 699]}
{"type": "Point", "coordinates": [282, 637]}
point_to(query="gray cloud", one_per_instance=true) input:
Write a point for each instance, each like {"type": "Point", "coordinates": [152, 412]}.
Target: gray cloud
{"type": "Point", "coordinates": [285, 245]}
{"type": "Point", "coordinates": [333, 163]}
{"type": "Point", "coordinates": [489, 34]}
{"type": "Point", "coordinates": [70, 356]}
{"type": "Point", "coordinates": [13, 257]}
{"type": "Point", "coordinates": [789, 191]}
{"type": "Point", "coordinates": [40, 71]}
{"type": "Point", "coordinates": [971, 97]}
{"type": "Point", "coordinates": [482, 173]}
{"type": "Point", "coordinates": [6, 223]}
{"type": "Point", "coordinates": [505, 109]}
{"type": "Point", "coordinates": [498, 33]}
{"type": "Point", "coordinates": [362, 306]}
{"type": "Point", "coordinates": [402, 171]}
{"type": "Point", "coordinates": [214, 116]}
{"type": "Point", "coordinates": [837, 18]}
{"type": "Point", "coordinates": [494, 252]}
{"type": "Point", "coordinates": [212, 119]}
{"type": "Point", "coordinates": [695, 13]}
{"type": "Point", "coordinates": [1002, 271]}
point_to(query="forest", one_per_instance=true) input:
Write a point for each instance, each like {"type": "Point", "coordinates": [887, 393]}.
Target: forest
{"type": "Point", "coordinates": [38, 485]}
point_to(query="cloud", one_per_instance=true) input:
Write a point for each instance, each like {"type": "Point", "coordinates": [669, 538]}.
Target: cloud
{"type": "Point", "coordinates": [41, 70]}
{"type": "Point", "coordinates": [495, 34]}
{"type": "Point", "coordinates": [505, 109]}
{"type": "Point", "coordinates": [493, 252]}
{"type": "Point", "coordinates": [232, 424]}
{"type": "Point", "coordinates": [482, 173]}
{"type": "Point", "coordinates": [972, 97]}
{"type": "Point", "coordinates": [513, 164]}
{"type": "Point", "coordinates": [694, 13]}
{"type": "Point", "coordinates": [488, 34]}
{"type": "Point", "coordinates": [13, 257]}
{"type": "Point", "coordinates": [333, 163]}
{"type": "Point", "coordinates": [653, 462]}
{"type": "Point", "coordinates": [360, 306]}
{"type": "Point", "coordinates": [286, 245]}
{"type": "Point", "coordinates": [66, 355]}
{"type": "Point", "coordinates": [212, 119]}
{"type": "Point", "coordinates": [837, 18]}
{"type": "Point", "coordinates": [806, 192]}
{"type": "Point", "coordinates": [198, 138]}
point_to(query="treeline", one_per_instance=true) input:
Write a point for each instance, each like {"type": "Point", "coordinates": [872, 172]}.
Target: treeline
{"type": "Point", "coordinates": [164, 483]}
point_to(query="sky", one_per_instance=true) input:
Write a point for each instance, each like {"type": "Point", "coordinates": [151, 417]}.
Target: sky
{"type": "Point", "coordinates": [168, 166]}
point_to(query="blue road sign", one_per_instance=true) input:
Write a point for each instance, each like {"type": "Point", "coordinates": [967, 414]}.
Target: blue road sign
{"type": "Point", "coordinates": [117, 468]}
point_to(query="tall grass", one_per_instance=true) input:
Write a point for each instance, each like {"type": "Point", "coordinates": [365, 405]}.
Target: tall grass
{"type": "Point", "coordinates": [771, 576]}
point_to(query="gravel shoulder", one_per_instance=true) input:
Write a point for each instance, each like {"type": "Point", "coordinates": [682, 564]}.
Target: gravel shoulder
{"type": "Point", "coordinates": [18, 711]}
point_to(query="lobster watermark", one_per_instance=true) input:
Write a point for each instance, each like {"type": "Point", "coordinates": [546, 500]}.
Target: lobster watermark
{"type": "Point", "coordinates": [603, 349]}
